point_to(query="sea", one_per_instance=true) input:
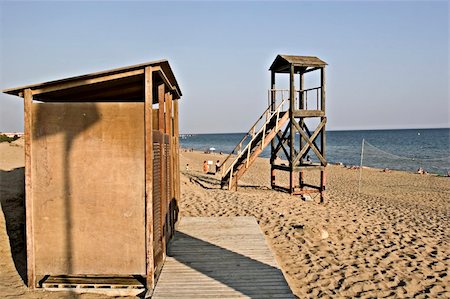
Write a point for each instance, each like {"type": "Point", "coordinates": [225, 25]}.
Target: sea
{"type": "Point", "coordinates": [406, 149]}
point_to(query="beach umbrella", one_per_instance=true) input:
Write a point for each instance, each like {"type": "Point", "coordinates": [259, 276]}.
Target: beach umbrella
{"type": "Point", "coordinates": [212, 149]}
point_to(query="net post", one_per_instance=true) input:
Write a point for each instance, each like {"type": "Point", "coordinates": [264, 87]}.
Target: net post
{"type": "Point", "coordinates": [360, 166]}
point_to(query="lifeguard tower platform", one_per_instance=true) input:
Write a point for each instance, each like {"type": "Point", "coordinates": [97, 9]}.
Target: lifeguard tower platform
{"type": "Point", "coordinates": [294, 127]}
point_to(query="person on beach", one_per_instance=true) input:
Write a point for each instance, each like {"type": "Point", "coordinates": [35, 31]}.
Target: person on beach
{"type": "Point", "coordinates": [205, 167]}
{"type": "Point", "coordinates": [187, 167]}
{"type": "Point", "coordinates": [421, 171]}
{"type": "Point", "coordinates": [217, 166]}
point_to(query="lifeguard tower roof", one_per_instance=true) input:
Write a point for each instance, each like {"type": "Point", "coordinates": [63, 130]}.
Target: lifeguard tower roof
{"type": "Point", "coordinates": [301, 63]}
{"type": "Point", "coordinates": [120, 84]}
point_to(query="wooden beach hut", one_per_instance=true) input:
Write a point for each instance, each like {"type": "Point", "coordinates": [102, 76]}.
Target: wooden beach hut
{"type": "Point", "coordinates": [101, 178]}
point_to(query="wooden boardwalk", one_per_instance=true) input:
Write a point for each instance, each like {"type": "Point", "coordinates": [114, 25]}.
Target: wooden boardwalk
{"type": "Point", "coordinates": [220, 257]}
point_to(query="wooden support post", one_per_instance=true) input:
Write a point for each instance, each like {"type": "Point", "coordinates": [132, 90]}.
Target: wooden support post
{"type": "Point", "coordinates": [322, 85]}
{"type": "Point", "coordinates": [165, 171]}
{"type": "Point", "coordinates": [273, 155]}
{"type": "Point", "coordinates": [291, 124]}
{"type": "Point", "coordinates": [169, 159]}
{"type": "Point", "coordinates": [323, 135]}
{"type": "Point", "coordinates": [28, 126]}
{"type": "Point", "coordinates": [302, 122]}
{"type": "Point", "coordinates": [176, 132]}
{"type": "Point", "coordinates": [161, 98]}
{"type": "Point", "coordinates": [167, 116]}
{"type": "Point", "coordinates": [148, 123]}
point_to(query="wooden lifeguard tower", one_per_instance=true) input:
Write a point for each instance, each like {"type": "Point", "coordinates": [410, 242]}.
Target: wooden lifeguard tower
{"type": "Point", "coordinates": [101, 178]}
{"type": "Point", "coordinates": [287, 125]}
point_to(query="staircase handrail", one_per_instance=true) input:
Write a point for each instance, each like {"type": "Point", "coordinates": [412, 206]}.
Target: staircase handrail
{"type": "Point", "coordinates": [276, 110]}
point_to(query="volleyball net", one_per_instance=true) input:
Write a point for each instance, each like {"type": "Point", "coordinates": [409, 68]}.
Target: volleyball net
{"type": "Point", "coordinates": [376, 157]}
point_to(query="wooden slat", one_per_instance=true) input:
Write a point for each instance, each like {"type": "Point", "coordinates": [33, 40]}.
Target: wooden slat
{"type": "Point", "coordinates": [167, 81]}
{"type": "Point", "coordinates": [148, 116]}
{"type": "Point", "coordinates": [310, 141]}
{"type": "Point", "coordinates": [83, 82]}
{"type": "Point", "coordinates": [28, 100]}
{"type": "Point", "coordinates": [93, 281]}
{"type": "Point", "coordinates": [308, 113]}
{"type": "Point", "coordinates": [291, 125]}
{"type": "Point", "coordinates": [91, 164]}
{"type": "Point", "coordinates": [176, 155]}
{"type": "Point", "coordinates": [161, 98]}
{"type": "Point", "coordinates": [220, 257]}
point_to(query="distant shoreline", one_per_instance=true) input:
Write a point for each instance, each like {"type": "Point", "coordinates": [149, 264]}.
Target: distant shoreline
{"type": "Point", "coordinates": [333, 130]}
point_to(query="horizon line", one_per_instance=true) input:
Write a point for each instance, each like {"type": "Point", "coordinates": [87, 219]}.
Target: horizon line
{"type": "Point", "coordinates": [332, 130]}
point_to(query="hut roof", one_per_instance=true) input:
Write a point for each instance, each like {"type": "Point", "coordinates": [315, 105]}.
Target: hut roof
{"type": "Point", "coordinates": [115, 85]}
{"type": "Point", "coordinates": [282, 63]}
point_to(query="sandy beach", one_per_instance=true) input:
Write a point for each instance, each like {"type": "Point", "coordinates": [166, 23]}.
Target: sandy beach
{"type": "Point", "coordinates": [390, 240]}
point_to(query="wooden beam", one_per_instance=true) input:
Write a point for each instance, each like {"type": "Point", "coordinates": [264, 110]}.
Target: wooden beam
{"type": "Point", "coordinates": [308, 168]}
{"type": "Point", "coordinates": [281, 142]}
{"type": "Point", "coordinates": [308, 113]}
{"type": "Point", "coordinates": [305, 127]}
{"type": "Point", "coordinates": [281, 68]}
{"type": "Point", "coordinates": [272, 97]}
{"type": "Point", "coordinates": [312, 69]}
{"type": "Point", "coordinates": [309, 141]}
{"type": "Point", "coordinates": [28, 126]}
{"type": "Point", "coordinates": [291, 124]}
{"type": "Point", "coordinates": [323, 140]}
{"type": "Point", "coordinates": [322, 84]}
{"type": "Point", "coordinates": [83, 82]}
{"type": "Point", "coordinates": [166, 81]}
{"type": "Point", "coordinates": [176, 131]}
{"type": "Point", "coordinates": [169, 158]}
{"type": "Point", "coordinates": [167, 115]}
{"type": "Point", "coordinates": [148, 123]}
{"type": "Point", "coordinates": [281, 167]}
{"type": "Point", "coordinates": [161, 98]}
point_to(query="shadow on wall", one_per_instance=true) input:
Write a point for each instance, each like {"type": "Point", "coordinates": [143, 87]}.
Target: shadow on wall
{"type": "Point", "coordinates": [71, 119]}
{"type": "Point", "coordinates": [13, 207]}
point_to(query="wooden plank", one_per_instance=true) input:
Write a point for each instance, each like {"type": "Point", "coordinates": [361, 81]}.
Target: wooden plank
{"type": "Point", "coordinates": [161, 99]}
{"type": "Point", "coordinates": [28, 116]}
{"type": "Point", "coordinates": [84, 82]}
{"type": "Point", "coordinates": [322, 84]}
{"type": "Point", "coordinates": [291, 125]}
{"type": "Point", "coordinates": [220, 257]}
{"type": "Point", "coordinates": [176, 131]}
{"type": "Point", "coordinates": [158, 194]}
{"type": "Point", "coordinates": [89, 169]}
{"type": "Point", "coordinates": [310, 140]}
{"type": "Point", "coordinates": [155, 119]}
{"type": "Point", "coordinates": [167, 81]}
{"type": "Point", "coordinates": [301, 176]}
{"type": "Point", "coordinates": [148, 116]}
{"type": "Point", "coordinates": [273, 154]}
{"type": "Point", "coordinates": [93, 280]}
{"type": "Point", "coordinates": [323, 140]}
{"type": "Point", "coordinates": [308, 113]}
{"type": "Point", "coordinates": [167, 115]}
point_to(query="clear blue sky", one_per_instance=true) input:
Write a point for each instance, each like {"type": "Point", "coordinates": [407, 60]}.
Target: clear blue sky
{"type": "Point", "coordinates": [388, 61]}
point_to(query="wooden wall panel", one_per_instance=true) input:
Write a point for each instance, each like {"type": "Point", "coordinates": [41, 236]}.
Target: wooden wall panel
{"type": "Point", "coordinates": [88, 188]}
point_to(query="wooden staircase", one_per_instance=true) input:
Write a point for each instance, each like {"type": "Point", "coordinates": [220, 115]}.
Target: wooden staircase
{"type": "Point", "coordinates": [252, 144]}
